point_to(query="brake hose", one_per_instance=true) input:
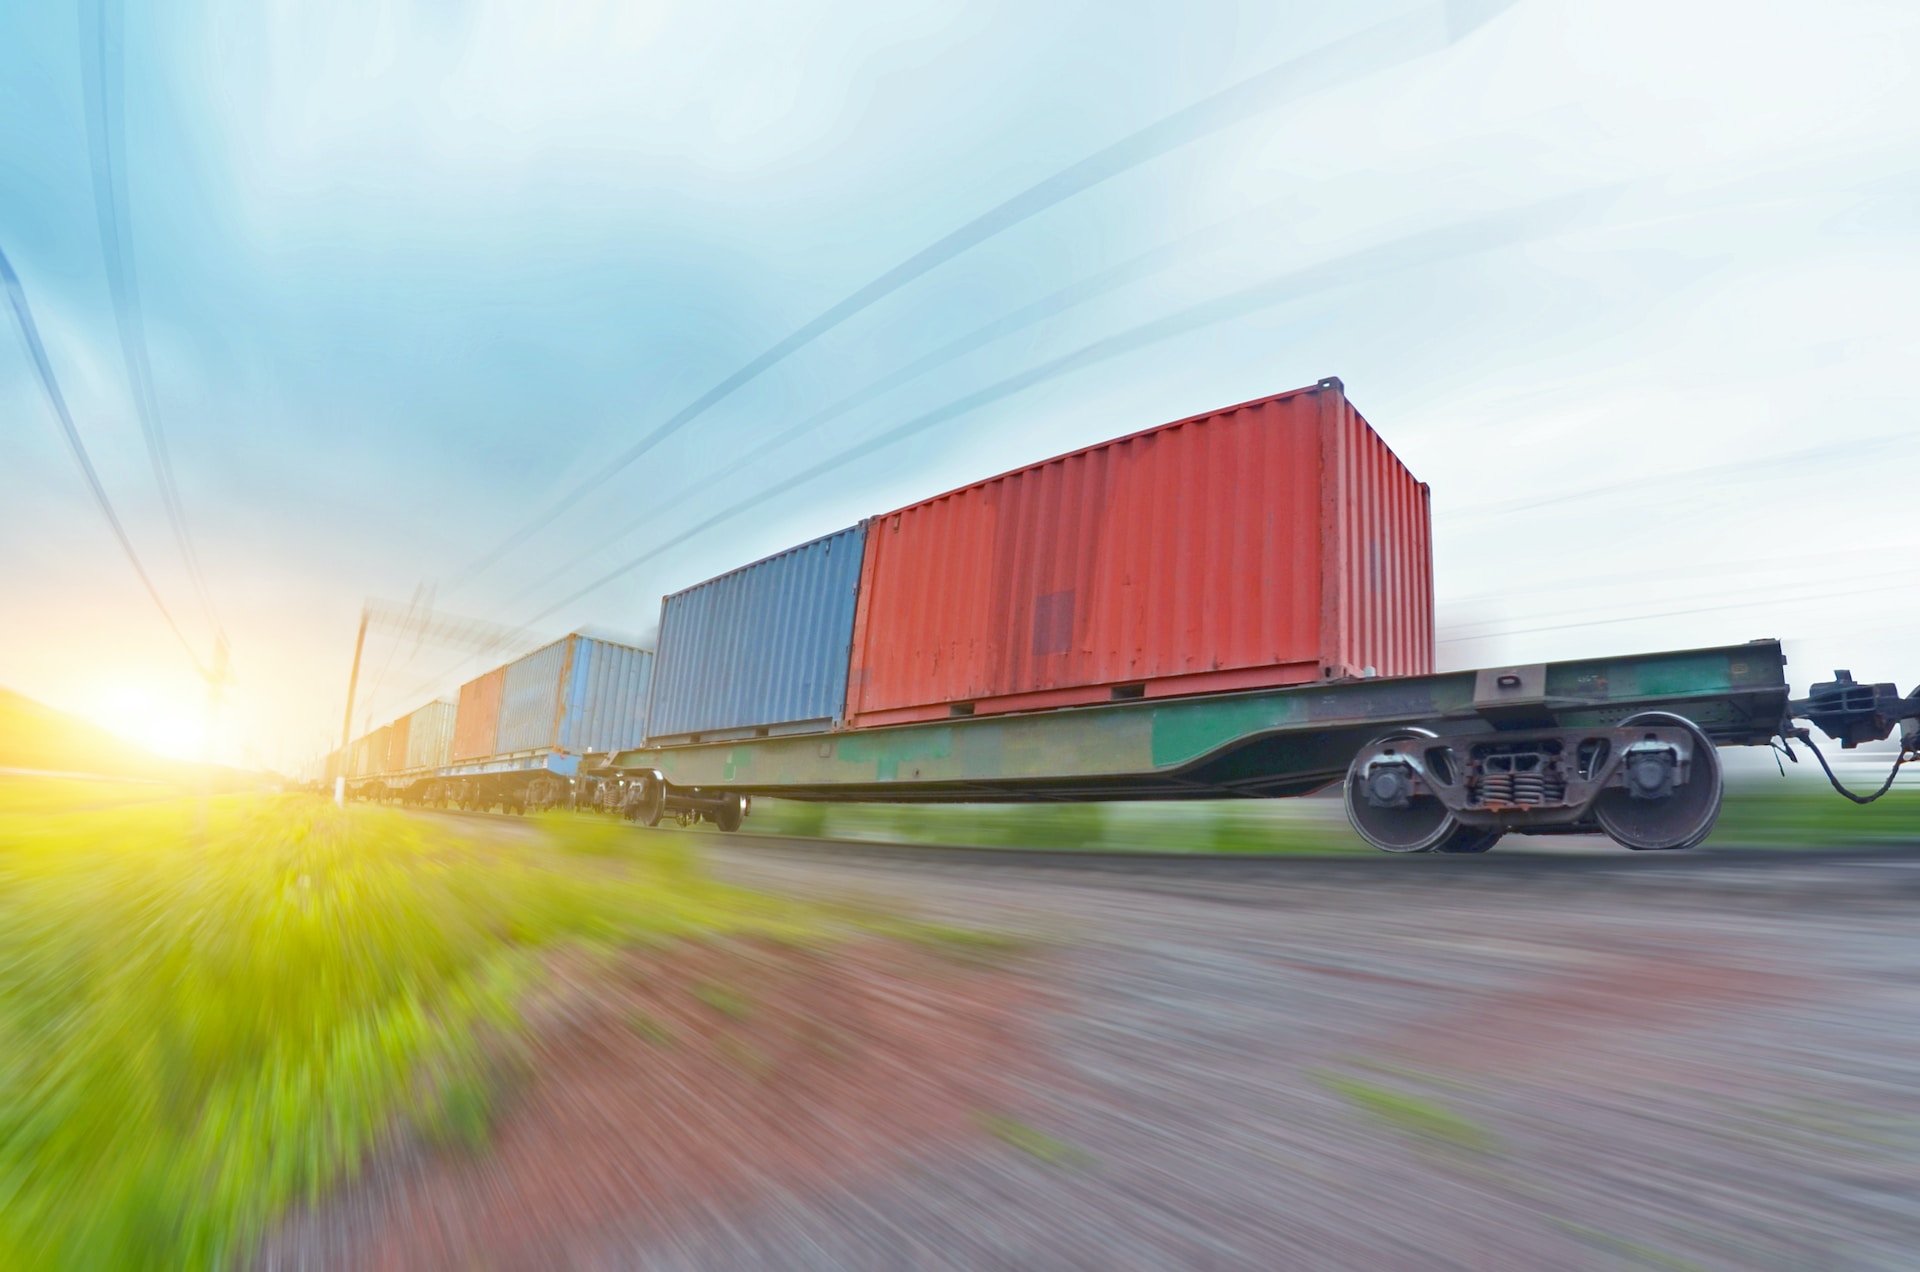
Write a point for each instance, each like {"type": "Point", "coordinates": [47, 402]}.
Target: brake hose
{"type": "Point", "coordinates": [1905, 755]}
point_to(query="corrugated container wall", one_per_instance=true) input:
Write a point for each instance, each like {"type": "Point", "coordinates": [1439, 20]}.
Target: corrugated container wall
{"type": "Point", "coordinates": [1378, 593]}
{"type": "Point", "coordinates": [373, 755]}
{"type": "Point", "coordinates": [762, 649]}
{"type": "Point", "coordinates": [397, 735]}
{"type": "Point", "coordinates": [1272, 543]}
{"type": "Point", "coordinates": [607, 697]}
{"type": "Point", "coordinates": [530, 699]}
{"type": "Point", "coordinates": [430, 736]}
{"type": "Point", "coordinates": [578, 694]}
{"type": "Point", "coordinates": [476, 721]}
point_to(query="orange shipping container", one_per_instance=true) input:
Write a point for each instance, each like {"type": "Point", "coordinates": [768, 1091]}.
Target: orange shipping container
{"type": "Point", "coordinates": [1272, 543]}
{"type": "Point", "coordinates": [476, 720]}
{"type": "Point", "coordinates": [397, 735]}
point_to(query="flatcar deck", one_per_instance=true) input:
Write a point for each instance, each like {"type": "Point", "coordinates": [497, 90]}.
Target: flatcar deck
{"type": "Point", "coordinates": [1260, 744]}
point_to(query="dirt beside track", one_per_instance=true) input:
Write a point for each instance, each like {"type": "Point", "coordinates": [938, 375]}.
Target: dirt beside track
{"type": "Point", "coordinates": [685, 1082]}
{"type": "Point", "coordinates": [1713, 1066]}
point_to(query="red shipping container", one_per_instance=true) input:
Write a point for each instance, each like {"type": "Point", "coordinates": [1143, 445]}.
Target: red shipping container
{"type": "Point", "coordinates": [1272, 543]}
{"type": "Point", "coordinates": [476, 720]}
{"type": "Point", "coordinates": [397, 734]}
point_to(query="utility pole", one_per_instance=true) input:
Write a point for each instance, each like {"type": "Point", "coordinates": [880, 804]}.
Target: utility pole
{"type": "Point", "coordinates": [346, 724]}
{"type": "Point", "coordinates": [472, 634]}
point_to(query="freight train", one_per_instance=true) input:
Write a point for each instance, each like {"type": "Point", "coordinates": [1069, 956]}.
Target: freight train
{"type": "Point", "coordinates": [517, 736]}
{"type": "Point", "coordinates": [1236, 604]}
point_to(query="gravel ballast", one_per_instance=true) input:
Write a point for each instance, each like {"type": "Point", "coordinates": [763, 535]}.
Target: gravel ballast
{"type": "Point", "coordinates": [1476, 1063]}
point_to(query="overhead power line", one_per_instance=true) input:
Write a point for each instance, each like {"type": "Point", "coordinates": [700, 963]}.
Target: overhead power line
{"type": "Point", "coordinates": [101, 73]}
{"type": "Point", "coordinates": [424, 625]}
{"type": "Point", "coordinates": [1399, 39]}
{"type": "Point", "coordinates": [1480, 234]}
{"type": "Point", "coordinates": [1505, 228]}
{"type": "Point", "coordinates": [1799, 462]}
{"type": "Point", "coordinates": [421, 604]}
{"type": "Point", "coordinates": [1774, 598]}
{"type": "Point", "coordinates": [1092, 287]}
{"type": "Point", "coordinates": [37, 352]}
{"type": "Point", "coordinates": [453, 631]}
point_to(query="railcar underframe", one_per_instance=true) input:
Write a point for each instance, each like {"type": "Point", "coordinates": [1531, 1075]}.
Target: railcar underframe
{"type": "Point", "coordinates": [1432, 763]}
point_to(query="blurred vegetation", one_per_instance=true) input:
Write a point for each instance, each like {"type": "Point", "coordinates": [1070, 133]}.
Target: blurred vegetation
{"type": "Point", "coordinates": [1315, 825]}
{"type": "Point", "coordinates": [1804, 812]}
{"type": "Point", "coordinates": [1034, 1143]}
{"type": "Point", "coordinates": [1413, 1115]}
{"type": "Point", "coordinates": [199, 1028]}
{"type": "Point", "coordinates": [1792, 813]}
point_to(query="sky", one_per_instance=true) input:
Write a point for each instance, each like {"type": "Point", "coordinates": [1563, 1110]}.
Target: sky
{"type": "Point", "coordinates": [1631, 286]}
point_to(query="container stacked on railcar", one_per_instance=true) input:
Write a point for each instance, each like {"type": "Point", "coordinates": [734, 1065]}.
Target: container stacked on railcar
{"type": "Point", "coordinates": [1272, 543]}
{"type": "Point", "coordinates": [477, 716]}
{"type": "Point", "coordinates": [371, 761]}
{"type": "Point", "coordinates": [1276, 542]}
{"type": "Point", "coordinates": [577, 695]}
{"type": "Point", "coordinates": [517, 734]}
{"type": "Point", "coordinates": [398, 734]}
{"type": "Point", "coordinates": [761, 650]}
{"type": "Point", "coordinates": [430, 736]}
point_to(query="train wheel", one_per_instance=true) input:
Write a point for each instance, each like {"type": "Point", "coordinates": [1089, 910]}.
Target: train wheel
{"type": "Point", "coordinates": [648, 802]}
{"type": "Point", "coordinates": [1380, 807]}
{"type": "Point", "coordinates": [1471, 839]}
{"type": "Point", "coordinates": [1681, 817]}
{"type": "Point", "coordinates": [731, 812]}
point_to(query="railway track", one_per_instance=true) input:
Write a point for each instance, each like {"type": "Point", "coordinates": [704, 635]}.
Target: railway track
{"type": "Point", "coordinates": [1895, 866]}
{"type": "Point", "coordinates": [1898, 864]}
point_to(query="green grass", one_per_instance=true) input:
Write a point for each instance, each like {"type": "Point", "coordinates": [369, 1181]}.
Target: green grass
{"type": "Point", "coordinates": [1209, 826]}
{"type": "Point", "coordinates": [966, 945]}
{"type": "Point", "coordinates": [1802, 811]}
{"type": "Point", "coordinates": [197, 1032]}
{"type": "Point", "coordinates": [1034, 1143]}
{"type": "Point", "coordinates": [729, 1003]}
{"type": "Point", "coordinates": [650, 1028]}
{"type": "Point", "coordinates": [463, 1112]}
{"type": "Point", "coordinates": [1411, 1115]}
{"type": "Point", "coordinates": [1632, 1251]}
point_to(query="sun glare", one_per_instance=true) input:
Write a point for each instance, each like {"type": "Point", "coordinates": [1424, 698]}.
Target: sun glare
{"type": "Point", "coordinates": [164, 723]}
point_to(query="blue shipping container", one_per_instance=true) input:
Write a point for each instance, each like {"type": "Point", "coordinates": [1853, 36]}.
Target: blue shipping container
{"type": "Point", "coordinates": [760, 650]}
{"type": "Point", "coordinates": [607, 694]}
{"type": "Point", "coordinates": [577, 695]}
